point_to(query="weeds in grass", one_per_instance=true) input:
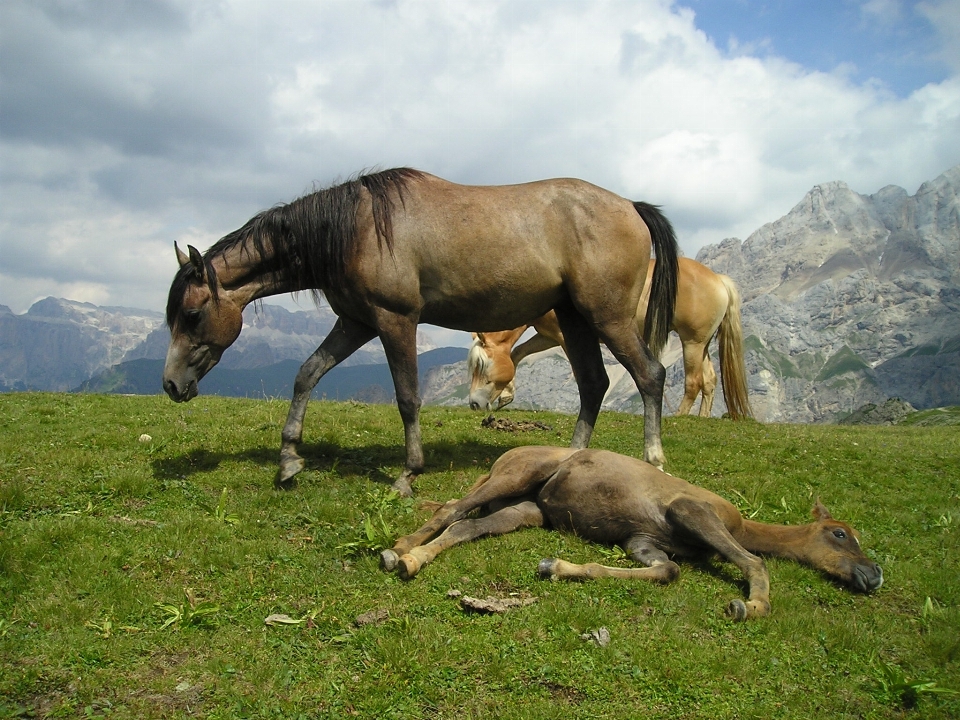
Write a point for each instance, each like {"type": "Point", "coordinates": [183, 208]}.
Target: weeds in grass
{"type": "Point", "coordinates": [192, 614]}
{"type": "Point", "coordinates": [898, 688]}
{"type": "Point", "coordinates": [377, 530]}
{"type": "Point", "coordinates": [219, 513]}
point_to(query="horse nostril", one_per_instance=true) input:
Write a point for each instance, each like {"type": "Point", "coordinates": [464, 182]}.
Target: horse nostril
{"type": "Point", "coordinates": [170, 387]}
{"type": "Point", "coordinates": [474, 405]}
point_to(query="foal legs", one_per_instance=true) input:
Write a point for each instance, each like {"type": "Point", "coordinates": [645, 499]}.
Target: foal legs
{"type": "Point", "coordinates": [524, 513]}
{"type": "Point", "coordinates": [516, 474]}
{"type": "Point", "coordinates": [703, 523]}
{"type": "Point", "coordinates": [657, 566]}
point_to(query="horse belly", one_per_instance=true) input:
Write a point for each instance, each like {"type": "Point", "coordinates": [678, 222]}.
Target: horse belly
{"type": "Point", "coordinates": [482, 296]}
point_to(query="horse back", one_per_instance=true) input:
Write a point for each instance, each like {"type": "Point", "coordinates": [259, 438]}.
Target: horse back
{"type": "Point", "coordinates": [490, 257]}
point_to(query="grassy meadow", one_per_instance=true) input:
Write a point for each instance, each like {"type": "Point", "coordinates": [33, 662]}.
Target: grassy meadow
{"type": "Point", "coordinates": [137, 574]}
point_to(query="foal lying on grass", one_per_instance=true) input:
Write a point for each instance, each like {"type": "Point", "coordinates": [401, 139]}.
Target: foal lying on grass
{"type": "Point", "coordinates": [618, 500]}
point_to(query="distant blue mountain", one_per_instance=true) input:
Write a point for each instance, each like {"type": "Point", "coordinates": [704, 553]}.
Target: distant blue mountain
{"type": "Point", "coordinates": [367, 383]}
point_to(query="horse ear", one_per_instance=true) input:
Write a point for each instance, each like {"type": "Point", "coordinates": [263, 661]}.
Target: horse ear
{"type": "Point", "coordinates": [196, 259]}
{"type": "Point", "coordinates": [820, 512]}
{"type": "Point", "coordinates": [182, 257]}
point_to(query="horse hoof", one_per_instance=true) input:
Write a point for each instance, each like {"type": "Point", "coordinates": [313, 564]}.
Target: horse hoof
{"type": "Point", "coordinates": [408, 567]}
{"type": "Point", "coordinates": [285, 482]}
{"type": "Point", "coordinates": [388, 560]}
{"type": "Point", "coordinates": [737, 610]}
{"type": "Point", "coordinates": [545, 570]}
{"type": "Point", "coordinates": [402, 487]}
{"type": "Point", "coordinates": [286, 475]}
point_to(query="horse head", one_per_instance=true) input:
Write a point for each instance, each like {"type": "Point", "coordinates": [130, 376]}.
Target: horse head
{"type": "Point", "coordinates": [834, 548]}
{"type": "Point", "coordinates": [203, 323]}
{"type": "Point", "coordinates": [491, 372]}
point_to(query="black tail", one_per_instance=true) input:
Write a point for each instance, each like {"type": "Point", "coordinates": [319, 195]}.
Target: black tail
{"type": "Point", "coordinates": [663, 289]}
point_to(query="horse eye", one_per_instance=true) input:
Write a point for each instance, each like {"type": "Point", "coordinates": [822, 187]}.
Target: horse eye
{"type": "Point", "coordinates": [839, 534]}
{"type": "Point", "coordinates": [192, 317]}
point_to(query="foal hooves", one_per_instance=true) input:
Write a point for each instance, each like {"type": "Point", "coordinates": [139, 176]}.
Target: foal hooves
{"type": "Point", "coordinates": [737, 610]}
{"type": "Point", "coordinates": [408, 567]}
{"type": "Point", "coordinates": [388, 560]}
{"type": "Point", "coordinates": [545, 570]}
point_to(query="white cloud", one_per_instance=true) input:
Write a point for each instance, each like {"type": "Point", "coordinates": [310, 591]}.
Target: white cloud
{"type": "Point", "coordinates": [183, 130]}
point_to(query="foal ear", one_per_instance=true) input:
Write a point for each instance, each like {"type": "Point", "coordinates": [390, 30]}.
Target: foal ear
{"type": "Point", "coordinates": [196, 259]}
{"type": "Point", "coordinates": [820, 512]}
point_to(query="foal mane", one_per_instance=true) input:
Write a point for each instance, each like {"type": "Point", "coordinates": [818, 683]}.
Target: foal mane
{"type": "Point", "coordinates": [306, 242]}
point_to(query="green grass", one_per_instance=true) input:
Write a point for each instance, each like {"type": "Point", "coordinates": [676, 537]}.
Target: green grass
{"type": "Point", "coordinates": [135, 577]}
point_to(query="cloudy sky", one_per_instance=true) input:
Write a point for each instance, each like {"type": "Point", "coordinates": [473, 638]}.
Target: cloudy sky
{"type": "Point", "coordinates": [126, 125]}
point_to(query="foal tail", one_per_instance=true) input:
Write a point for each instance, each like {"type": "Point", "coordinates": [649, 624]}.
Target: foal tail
{"type": "Point", "coordinates": [733, 372]}
{"type": "Point", "coordinates": [663, 288]}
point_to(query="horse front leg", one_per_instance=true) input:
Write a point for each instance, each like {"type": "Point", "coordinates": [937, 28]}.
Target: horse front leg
{"type": "Point", "coordinates": [583, 351]}
{"type": "Point", "coordinates": [702, 522]}
{"type": "Point", "coordinates": [398, 334]}
{"type": "Point", "coordinates": [344, 339]}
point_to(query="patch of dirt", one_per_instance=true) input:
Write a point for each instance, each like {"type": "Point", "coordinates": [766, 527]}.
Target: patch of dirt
{"type": "Point", "coordinates": [506, 425]}
{"type": "Point", "coordinates": [374, 617]}
{"type": "Point", "coordinates": [493, 605]}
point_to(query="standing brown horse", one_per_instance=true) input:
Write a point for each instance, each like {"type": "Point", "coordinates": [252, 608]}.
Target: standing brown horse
{"type": "Point", "coordinates": [708, 304]}
{"type": "Point", "coordinates": [396, 248]}
{"type": "Point", "coordinates": [618, 500]}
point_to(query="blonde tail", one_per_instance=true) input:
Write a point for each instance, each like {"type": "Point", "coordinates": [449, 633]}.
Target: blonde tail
{"type": "Point", "coordinates": [733, 372]}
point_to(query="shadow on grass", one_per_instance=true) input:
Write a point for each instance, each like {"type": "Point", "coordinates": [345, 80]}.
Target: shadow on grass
{"type": "Point", "coordinates": [371, 461]}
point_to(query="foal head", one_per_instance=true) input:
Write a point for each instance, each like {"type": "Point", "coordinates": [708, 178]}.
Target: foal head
{"type": "Point", "coordinates": [834, 547]}
{"type": "Point", "coordinates": [491, 370]}
{"type": "Point", "coordinates": [203, 323]}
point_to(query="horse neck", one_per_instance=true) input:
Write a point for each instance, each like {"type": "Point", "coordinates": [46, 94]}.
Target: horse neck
{"type": "Point", "coordinates": [787, 541]}
{"type": "Point", "coordinates": [241, 272]}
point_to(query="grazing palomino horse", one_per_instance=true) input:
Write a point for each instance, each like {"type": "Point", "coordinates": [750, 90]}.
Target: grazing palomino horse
{"type": "Point", "coordinates": [708, 304]}
{"type": "Point", "coordinates": [618, 500]}
{"type": "Point", "coordinates": [396, 248]}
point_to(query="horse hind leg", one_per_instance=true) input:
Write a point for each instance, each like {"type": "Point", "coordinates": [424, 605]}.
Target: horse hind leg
{"type": "Point", "coordinates": [521, 514]}
{"type": "Point", "coordinates": [701, 521]}
{"type": "Point", "coordinates": [648, 373]}
{"type": "Point", "coordinates": [693, 376]}
{"type": "Point", "coordinates": [709, 386]}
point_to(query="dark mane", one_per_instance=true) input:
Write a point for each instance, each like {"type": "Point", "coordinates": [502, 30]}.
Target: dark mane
{"type": "Point", "coordinates": [307, 242]}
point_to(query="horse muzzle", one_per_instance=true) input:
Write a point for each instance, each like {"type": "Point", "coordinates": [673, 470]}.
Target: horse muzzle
{"type": "Point", "coordinates": [181, 393]}
{"type": "Point", "coordinates": [867, 578]}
